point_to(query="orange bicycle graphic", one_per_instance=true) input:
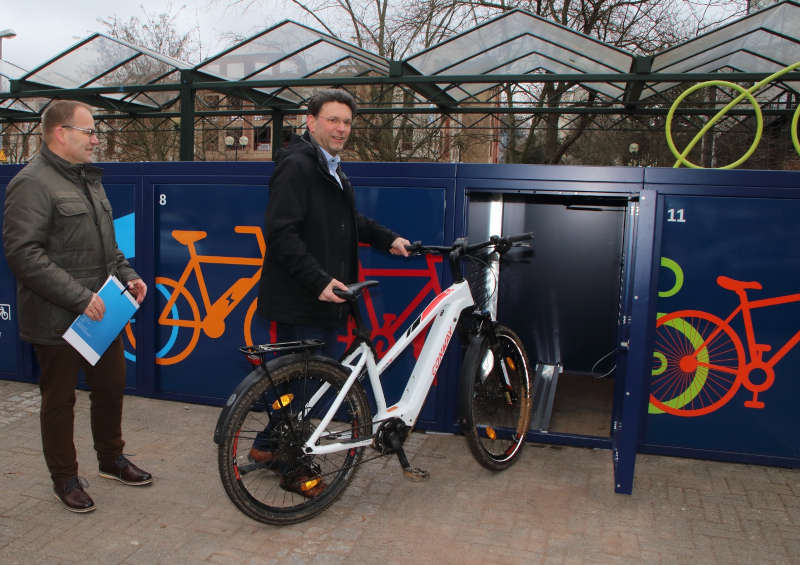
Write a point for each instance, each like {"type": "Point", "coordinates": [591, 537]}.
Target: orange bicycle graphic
{"type": "Point", "coordinates": [700, 361]}
{"type": "Point", "coordinates": [181, 312]}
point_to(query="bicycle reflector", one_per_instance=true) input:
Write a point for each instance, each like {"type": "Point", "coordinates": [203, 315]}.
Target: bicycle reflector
{"type": "Point", "coordinates": [255, 360]}
{"type": "Point", "coordinates": [511, 364]}
{"type": "Point", "coordinates": [490, 433]}
{"type": "Point", "coordinates": [284, 400]}
{"type": "Point", "coordinates": [306, 486]}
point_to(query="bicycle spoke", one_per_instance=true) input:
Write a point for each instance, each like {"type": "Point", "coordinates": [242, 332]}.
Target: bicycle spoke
{"type": "Point", "coordinates": [697, 364]}
{"type": "Point", "coordinates": [270, 491]}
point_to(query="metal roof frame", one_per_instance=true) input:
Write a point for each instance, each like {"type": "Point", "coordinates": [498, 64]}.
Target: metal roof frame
{"type": "Point", "coordinates": [537, 52]}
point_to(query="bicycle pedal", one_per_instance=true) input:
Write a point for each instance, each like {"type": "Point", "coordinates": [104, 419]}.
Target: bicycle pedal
{"type": "Point", "coordinates": [416, 475]}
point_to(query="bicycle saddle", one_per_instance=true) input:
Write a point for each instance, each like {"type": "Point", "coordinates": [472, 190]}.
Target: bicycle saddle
{"type": "Point", "coordinates": [353, 290]}
{"type": "Point", "coordinates": [186, 237]}
{"type": "Point", "coordinates": [734, 285]}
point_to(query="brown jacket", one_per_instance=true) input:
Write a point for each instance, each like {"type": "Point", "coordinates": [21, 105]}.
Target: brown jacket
{"type": "Point", "coordinates": [58, 237]}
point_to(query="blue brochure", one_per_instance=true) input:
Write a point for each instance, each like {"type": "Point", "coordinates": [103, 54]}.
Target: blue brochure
{"type": "Point", "coordinates": [91, 338]}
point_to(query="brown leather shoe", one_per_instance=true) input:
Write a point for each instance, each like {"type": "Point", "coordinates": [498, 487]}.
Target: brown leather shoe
{"type": "Point", "coordinates": [124, 471]}
{"type": "Point", "coordinates": [260, 456]}
{"type": "Point", "coordinates": [71, 494]}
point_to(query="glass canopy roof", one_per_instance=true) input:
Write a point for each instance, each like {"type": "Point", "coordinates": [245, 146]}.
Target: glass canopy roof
{"type": "Point", "coordinates": [292, 51]}
{"type": "Point", "coordinates": [100, 60]}
{"type": "Point", "coordinates": [763, 42]}
{"type": "Point", "coordinates": [520, 43]}
{"type": "Point", "coordinates": [515, 43]}
{"type": "Point", "coordinates": [11, 106]}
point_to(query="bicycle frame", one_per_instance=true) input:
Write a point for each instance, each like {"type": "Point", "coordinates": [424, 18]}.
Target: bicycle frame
{"type": "Point", "coordinates": [755, 350]}
{"type": "Point", "coordinates": [442, 315]}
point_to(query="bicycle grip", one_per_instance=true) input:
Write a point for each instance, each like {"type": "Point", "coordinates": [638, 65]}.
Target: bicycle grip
{"type": "Point", "coordinates": [415, 247]}
{"type": "Point", "coordinates": [521, 237]}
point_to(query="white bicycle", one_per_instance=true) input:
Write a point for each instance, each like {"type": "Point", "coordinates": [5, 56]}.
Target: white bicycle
{"type": "Point", "coordinates": [313, 414]}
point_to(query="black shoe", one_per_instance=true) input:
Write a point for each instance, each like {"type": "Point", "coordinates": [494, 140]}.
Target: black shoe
{"type": "Point", "coordinates": [125, 472]}
{"type": "Point", "coordinates": [70, 492]}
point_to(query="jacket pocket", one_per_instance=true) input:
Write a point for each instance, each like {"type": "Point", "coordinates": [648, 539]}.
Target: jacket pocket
{"type": "Point", "coordinates": [71, 222]}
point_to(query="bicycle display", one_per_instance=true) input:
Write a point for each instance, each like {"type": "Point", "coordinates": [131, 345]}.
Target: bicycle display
{"type": "Point", "coordinates": [311, 415]}
{"type": "Point", "coordinates": [700, 361]}
{"type": "Point", "coordinates": [179, 310]}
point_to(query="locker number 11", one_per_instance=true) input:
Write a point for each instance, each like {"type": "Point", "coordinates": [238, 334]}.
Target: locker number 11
{"type": "Point", "coordinates": [678, 215]}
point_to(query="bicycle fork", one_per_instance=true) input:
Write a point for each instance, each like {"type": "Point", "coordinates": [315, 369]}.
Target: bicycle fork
{"type": "Point", "coordinates": [505, 364]}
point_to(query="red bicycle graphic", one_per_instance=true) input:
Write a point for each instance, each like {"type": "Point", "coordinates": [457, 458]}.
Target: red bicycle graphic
{"type": "Point", "coordinates": [383, 333]}
{"type": "Point", "coordinates": [700, 361]}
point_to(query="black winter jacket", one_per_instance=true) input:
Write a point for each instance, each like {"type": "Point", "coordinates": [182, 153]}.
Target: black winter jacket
{"type": "Point", "coordinates": [312, 230]}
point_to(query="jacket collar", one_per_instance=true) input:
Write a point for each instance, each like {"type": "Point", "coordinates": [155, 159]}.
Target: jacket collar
{"type": "Point", "coordinates": [74, 172]}
{"type": "Point", "coordinates": [322, 162]}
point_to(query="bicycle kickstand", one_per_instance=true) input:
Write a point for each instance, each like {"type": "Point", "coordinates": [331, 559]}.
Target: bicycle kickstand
{"type": "Point", "coordinates": [411, 473]}
{"type": "Point", "coordinates": [389, 439]}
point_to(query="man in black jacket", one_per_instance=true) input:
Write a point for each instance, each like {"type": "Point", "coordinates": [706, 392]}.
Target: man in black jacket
{"type": "Point", "coordinates": [313, 228]}
{"type": "Point", "coordinates": [312, 233]}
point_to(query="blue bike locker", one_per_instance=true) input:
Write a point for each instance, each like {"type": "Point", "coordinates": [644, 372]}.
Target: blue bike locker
{"type": "Point", "coordinates": [627, 264]}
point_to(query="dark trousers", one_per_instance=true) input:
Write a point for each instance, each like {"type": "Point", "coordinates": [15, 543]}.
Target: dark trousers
{"type": "Point", "coordinates": [291, 332]}
{"type": "Point", "coordinates": [59, 376]}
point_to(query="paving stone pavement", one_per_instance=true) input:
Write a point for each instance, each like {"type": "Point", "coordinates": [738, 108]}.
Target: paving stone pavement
{"type": "Point", "coordinates": [555, 506]}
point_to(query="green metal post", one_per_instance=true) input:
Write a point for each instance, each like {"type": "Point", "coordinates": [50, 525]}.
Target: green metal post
{"type": "Point", "coordinates": [277, 132]}
{"type": "Point", "coordinates": [187, 118]}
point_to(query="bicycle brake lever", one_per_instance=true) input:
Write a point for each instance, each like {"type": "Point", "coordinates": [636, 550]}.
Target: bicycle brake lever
{"type": "Point", "coordinates": [415, 248]}
{"type": "Point", "coordinates": [502, 246]}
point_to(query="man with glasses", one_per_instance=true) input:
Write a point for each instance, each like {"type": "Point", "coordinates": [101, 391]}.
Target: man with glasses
{"type": "Point", "coordinates": [312, 230]}
{"type": "Point", "coordinates": [58, 236]}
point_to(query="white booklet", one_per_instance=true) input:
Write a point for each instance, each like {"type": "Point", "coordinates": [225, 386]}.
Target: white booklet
{"type": "Point", "coordinates": [91, 338]}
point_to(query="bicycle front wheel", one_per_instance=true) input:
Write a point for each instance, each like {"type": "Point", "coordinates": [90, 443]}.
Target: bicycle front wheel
{"type": "Point", "coordinates": [291, 486]}
{"type": "Point", "coordinates": [496, 399]}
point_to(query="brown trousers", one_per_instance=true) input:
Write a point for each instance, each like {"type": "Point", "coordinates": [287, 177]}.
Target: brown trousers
{"type": "Point", "coordinates": [59, 366]}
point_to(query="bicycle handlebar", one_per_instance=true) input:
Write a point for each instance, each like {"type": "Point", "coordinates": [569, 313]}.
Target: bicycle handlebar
{"type": "Point", "coordinates": [461, 247]}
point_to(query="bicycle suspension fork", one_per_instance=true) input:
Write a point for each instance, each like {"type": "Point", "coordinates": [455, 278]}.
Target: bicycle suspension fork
{"type": "Point", "coordinates": [487, 326]}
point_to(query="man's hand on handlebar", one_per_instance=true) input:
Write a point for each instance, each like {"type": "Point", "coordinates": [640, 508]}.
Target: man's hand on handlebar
{"type": "Point", "coordinates": [399, 247]}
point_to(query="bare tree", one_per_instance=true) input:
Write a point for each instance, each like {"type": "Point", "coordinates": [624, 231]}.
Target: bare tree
{"type": "Point", "coordinates": [397, 30]}
{"type": "Point", "coordinates": [20, 141]}
{"type": "Point", "coordinates": [149, 139]}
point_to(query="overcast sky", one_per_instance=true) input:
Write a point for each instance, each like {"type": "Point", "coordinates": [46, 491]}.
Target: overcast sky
{"type": "Point", "coordinates": [46, 27]}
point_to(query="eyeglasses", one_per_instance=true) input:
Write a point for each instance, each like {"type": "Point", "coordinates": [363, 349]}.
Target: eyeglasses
{"type": "Point", "coordinates": [337, 121]}
{"type": "Point", "coordinates": [89, 132]}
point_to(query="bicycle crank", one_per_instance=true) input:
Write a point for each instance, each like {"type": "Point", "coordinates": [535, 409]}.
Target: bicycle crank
{"type": "Point", "coordinates": [389, 439]}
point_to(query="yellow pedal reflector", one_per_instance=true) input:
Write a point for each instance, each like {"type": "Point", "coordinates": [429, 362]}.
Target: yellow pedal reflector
{"type": "Point", "coordinates": [309, 484]}
{"type": "Point", "coordinates": [284, 400]}
{"type": "Point", "coordinates": [490, 433]}
{"type": "Point", "coordinates": [510, 363]}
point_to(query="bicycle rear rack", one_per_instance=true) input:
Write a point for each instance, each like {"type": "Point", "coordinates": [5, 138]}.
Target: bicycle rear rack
{"type": "Point", "coordinates": [255, 353]}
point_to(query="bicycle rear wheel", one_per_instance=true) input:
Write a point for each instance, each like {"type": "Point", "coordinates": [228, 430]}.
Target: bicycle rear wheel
{"type": "Point", "coordinates": [698, 360]}
{"type": "Point", "coordinates": [278, 420]}
{"type": "Point", "coordinates": [496, 399]}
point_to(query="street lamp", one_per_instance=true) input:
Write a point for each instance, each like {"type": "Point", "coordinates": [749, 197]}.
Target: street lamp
{"type": "Point", "coordinates": [633, 148]}
{"type": "Point", "coordinates": [231, 142]}
{"type": "Point", "coordinates": [6, 34]}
